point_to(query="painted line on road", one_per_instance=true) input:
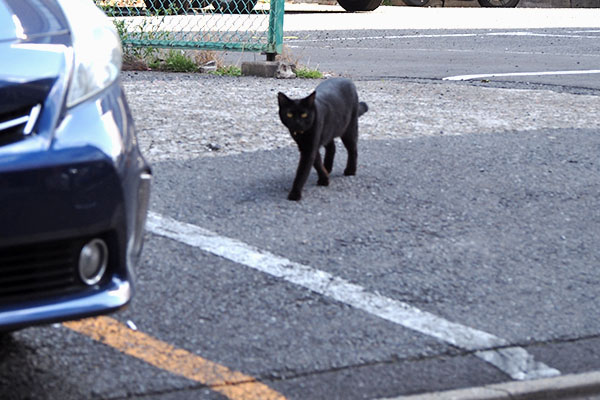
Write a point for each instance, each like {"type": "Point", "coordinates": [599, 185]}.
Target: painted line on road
{"type": "Point", "coordinates": [542, 73]}
{"type": "Point", "coordinates": [464, 51]}
{"type": "Point", "coordinates": [514, 361]}
{"type": "Point", "coordinates": [232, 384]}
{"type": "Point", "coordinates": [446, 35]}
{"type": "Point", "coordinates": [383, 37]}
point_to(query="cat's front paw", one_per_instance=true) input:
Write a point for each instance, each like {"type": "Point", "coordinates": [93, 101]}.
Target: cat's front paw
{"type": "Point", "coordinates": [295, 195]}
{"type": "Point", "coordinates": [323, 181]}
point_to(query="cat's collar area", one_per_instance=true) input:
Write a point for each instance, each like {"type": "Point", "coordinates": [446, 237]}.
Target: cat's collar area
{"type": "Point", "coordinates": [296, 133]}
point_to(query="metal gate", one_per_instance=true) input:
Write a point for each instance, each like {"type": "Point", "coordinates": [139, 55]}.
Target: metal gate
{"type": "Point", "coordinates": [234, 25]}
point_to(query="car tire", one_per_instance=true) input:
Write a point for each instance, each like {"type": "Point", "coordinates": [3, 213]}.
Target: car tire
{"type": "Point", "coordinates": [200, 3]}
{"type": "Point", "coordinates": [416, 3]}
{"type": "Point", "coordinates": [5, 338]}
{"type": "Point", "coordinates": [234, 6]}
{"type": "Point", "coordinates": [498, 3]}
{"type": "Point", "coordinates": [359, 5]}
{"type": "Point", "coordinates": [168, 6]}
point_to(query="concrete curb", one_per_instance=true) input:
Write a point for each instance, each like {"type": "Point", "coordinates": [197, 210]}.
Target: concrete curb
{"type": "Point", "coordinates": [567, 387]}
{"type": "Point", "coordinates": [265, 69]}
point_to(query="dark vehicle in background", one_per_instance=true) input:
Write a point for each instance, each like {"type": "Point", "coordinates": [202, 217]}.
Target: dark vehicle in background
{"type": "Point", "coordinates": [74, 187]}
{"type": "Point", "coordinates": [246, 6]}
{"type": "Point", "coordinates": [370, 5]}
{"type": "Point", "coordinates": [482, 3]}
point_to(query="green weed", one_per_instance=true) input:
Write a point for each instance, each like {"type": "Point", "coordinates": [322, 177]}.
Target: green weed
{"type": "Point", "coordinates": [178, 62]}
{"type": "Point", "coordinates": [306, 73]}
{"type": "Point", "coordinates": [230, 70]}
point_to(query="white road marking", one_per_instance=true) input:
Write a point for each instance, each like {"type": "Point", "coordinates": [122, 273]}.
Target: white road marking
{"type": "Point", "coordinates": [478, 51]}
{"type": "Point", "coordinates": [586, 31]}
{"type": "Point", "coordinates": [570, 35]}
{"type": "Point", "coordinates": [541, 73]}
{"type": "Point", "coordinates": [514, 361]}
{"type": "Point", "coordinates": [390, 37]}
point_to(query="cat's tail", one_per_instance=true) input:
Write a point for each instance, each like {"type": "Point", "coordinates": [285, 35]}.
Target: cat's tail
{"type": "Point", "coordinates": [362, 108]}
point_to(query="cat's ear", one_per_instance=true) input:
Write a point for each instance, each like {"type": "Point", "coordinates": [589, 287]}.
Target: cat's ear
{"type": "Point", "coordinates": [283, 99]}
{"type": "Point", "coordinates": [310, 100]}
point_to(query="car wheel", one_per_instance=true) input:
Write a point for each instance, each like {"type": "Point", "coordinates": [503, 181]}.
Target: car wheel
{"type": "Point", "coordinates": [168, 6]}
{"type": "Point", "coordinates": [5, 338]}
{"type": "Point", "coordinates": [359, 5]}
{"type": "Point", "coordinates": [200, 3]}
{"type": "Point", "coordinates": [234, 6]}
{"type": "Point", "coordinates": [416, 3]}
{"type": "Point", "coordinates": [498, 3]}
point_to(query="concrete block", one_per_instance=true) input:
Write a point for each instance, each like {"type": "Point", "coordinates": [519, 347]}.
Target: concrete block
{"type": "Point", "coordinates": [265, 69]}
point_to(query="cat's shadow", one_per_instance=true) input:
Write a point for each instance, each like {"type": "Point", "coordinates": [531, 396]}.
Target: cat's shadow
{"type": "Point", "coordinates": [275, 183]}
{"type": "Point", "coordinates": [275, 188]}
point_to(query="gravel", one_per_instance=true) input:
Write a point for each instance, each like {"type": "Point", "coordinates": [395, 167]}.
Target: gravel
{"type": "Point", "coordinates": [185, 116]}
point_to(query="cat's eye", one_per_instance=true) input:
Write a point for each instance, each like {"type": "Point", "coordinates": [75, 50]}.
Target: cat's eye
{"type": "Point", "coordinates": [304, 115]}
{"type": "Point", "coordinates": [290, 115]}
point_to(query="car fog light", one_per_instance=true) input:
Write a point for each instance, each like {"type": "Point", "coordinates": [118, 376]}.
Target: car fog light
{"type": "Point", "coordinates": [93, 259]}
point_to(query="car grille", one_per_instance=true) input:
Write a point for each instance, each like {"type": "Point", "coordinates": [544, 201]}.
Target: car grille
{"type": "Point", "coordinates": [18, 124]}
{"type": "Point", "coordinates": [20, 107]}
{"type": "Point", "coordinates": [38, 270]}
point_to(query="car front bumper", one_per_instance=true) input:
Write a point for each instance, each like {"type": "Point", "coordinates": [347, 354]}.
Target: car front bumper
{"type": "Point", "coordinates": [84, 180]}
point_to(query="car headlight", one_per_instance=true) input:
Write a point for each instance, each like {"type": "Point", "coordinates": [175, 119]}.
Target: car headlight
{"type": "Point", "coordinates": [96, 49]}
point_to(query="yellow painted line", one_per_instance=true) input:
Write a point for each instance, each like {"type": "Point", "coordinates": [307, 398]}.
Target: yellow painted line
{"type": "Point", "coordinates": [232, 384]}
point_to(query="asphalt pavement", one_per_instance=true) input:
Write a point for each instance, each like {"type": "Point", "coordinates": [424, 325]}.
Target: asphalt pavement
{"type": "Point", "coordinates": [411, 103]}
{"type": "Point", "coordinates": [489, 210]}
{"type": "Point", "coordinates": [475, 206]}
{"type": "Point", "coordinates": [492, 231]}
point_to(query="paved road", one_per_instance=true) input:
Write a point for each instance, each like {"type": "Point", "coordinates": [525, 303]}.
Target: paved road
{"type": "Point", "coordinates": [463, 253]}
{"type": "Point", "coordinates": [568, 59]}
{"type": "Point", "coordinates": [557, 48]}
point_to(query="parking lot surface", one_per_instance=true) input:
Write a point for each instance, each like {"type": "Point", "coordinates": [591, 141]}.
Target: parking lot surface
{"type": "Point", "coordinates": [462, 254]}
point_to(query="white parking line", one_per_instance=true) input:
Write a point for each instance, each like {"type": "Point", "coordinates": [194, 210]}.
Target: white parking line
{"type": "Point", "coordinates": [570, 35]}
{"type": "Point", "coordinates": [514, 361]}
{"type": "Point", "coordinates": [541, 73]}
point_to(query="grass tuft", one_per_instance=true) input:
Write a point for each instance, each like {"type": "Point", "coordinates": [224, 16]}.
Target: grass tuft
{"type": "Point", "coordinates": [306, 73]}
{"type": "Point", "coordinates": [229, 70]}
{"type": "Point", "coordinates": [179, 62]}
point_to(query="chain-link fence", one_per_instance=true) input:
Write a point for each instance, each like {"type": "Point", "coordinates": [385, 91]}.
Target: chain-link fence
{"type": "Point", "coordinates": [239, 25]}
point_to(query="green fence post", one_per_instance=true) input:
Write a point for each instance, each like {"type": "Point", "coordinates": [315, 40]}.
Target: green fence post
{"type": "Point", "coordinates": [275, 36]}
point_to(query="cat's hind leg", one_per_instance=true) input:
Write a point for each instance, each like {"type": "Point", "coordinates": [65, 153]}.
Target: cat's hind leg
{"type": "Point", "coordinates": [321, 171]}
{"type": "Point", "coordinates": [350, 140]}
{"type": "Point", "coordinates": [329, 155]}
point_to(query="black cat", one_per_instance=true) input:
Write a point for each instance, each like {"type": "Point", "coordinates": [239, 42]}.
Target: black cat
{"type": "Point", "coordinates": [331, 111]}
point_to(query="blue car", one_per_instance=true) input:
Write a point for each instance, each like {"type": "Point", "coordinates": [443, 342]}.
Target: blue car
{"type": "Point", "coordinates": [74, 188]}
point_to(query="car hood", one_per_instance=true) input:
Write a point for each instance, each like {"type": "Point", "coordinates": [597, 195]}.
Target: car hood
{"type": "Point", "coordinates": [26, 20]}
